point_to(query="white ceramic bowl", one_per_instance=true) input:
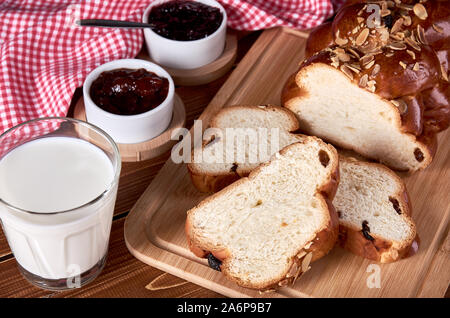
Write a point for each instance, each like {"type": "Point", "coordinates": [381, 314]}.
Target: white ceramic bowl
{"type": "Point", "coordinates": [185, 54]}
{"type": "Point", "coordinates": [130, 129]}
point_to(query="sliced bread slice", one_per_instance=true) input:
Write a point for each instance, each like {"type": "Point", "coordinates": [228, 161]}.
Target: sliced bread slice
{"type": "Point", "coordinates": [214, 171]}
{"type": "Point", "coordinates": [331, 106]}
{"type": "Point", "coordinates": [374, 212]}
{"type": "Point", "coordinates": [264, 230]}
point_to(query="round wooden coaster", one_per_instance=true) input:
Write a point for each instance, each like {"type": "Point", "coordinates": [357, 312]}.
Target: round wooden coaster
{"type": "Point", "coordinates": [206, 73]}
{"type": "Point", "coordinates": [150, 148]}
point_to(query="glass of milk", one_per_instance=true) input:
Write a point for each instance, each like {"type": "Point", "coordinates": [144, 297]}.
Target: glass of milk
{"type": "Point", "coordinates": [58, 186]}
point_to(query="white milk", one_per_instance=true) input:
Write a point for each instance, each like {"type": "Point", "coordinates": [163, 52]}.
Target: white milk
{"type": "Point", "coordinates": [50, 175]}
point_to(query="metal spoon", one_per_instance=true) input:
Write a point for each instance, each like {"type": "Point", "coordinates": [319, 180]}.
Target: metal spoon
{"type": "Point", "coordinates": [113, 23]}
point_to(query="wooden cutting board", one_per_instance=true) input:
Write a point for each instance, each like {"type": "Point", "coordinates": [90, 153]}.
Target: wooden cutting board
{"type": "Point", "coordinates": [154, 229]}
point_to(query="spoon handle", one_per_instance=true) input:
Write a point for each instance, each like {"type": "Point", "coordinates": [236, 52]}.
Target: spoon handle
{"type": "Point", "coordinates": [113, 23]}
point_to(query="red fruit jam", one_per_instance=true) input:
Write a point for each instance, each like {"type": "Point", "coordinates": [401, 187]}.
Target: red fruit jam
{"type": "Point", "coordinates": [129, 91]}
{"type": "Point", "coordinates": [185, 20]}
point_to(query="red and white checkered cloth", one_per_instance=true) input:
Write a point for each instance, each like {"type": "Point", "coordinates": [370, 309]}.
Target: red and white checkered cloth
{"type": "Point", "coordinates": [44, 56]}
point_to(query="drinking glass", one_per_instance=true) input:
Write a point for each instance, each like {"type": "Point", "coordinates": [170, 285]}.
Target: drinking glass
{"type": "Point", "coordinates": [67, 248]}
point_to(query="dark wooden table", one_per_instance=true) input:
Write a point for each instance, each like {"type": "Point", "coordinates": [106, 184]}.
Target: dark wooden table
{"type": "Point", "coordinates": [123, 275]}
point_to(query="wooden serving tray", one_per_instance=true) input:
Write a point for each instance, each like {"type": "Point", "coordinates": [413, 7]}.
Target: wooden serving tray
{"type": "Point", "coordinates": [154, 229]}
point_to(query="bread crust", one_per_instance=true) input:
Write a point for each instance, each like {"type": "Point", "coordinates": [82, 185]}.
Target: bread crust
{"type": "Point", "coordinates": [379, 250]}
{"type": "Point", "coordinates": [293, 122]}
{"type": "Point", "coordinates": [319, 246]}
{"type": "Point", "coordinates": [319, 38]}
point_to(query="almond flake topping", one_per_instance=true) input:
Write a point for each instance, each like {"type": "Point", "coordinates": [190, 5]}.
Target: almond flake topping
{"type": "Point", "coordinates": [368, 48]}
{"type": "Point", "coordinates": [397, 25]}
{"type": "Point", "coordinates": [411, 53]}
{"type": "Point", "coordinates": [353, 68]}
{"type": "Point", "coordinates": [384, 35]}
{"type": "Point", "coordinates": [376, 70]}
{"type": "Point", "coordinates": [444, 73]}
{"type": "Point", "coordinates": [293, 270]}
{"type": "Point", "coordinates": [344, 57]}
{"type": "Point", "coordinates": [308, 245]}
{"type": "Point", "coordinates": [396, 103]}
{"type": "Point", "coordinates": [366, 59]}
{"type": "Point", "coordinates": [377, 51]}
{"type": "Point", "coordinates": [407, 21]}
{"type": "Point", "coordinates": [346, 71]}
{"type": "Point", "coordinates": [362, 37]}
{"type": "Point", "coordinates": [437, 28]}
{"type": "Point", "coordinates": [340, 41]}
{"type": "Point", "coordinates": [397, 46]}
{"type": "Point", "coordinates": [412, 43]}
{"type": "Point", "coordinates": [299, 271]}
{"type": "Point", "coordinates": [261, 292]}
{"type": "Point", "coordinates": [353, 52]}
{"type": "Point", "coordinates": [360, 12]}
{"type": "Point", "coordinates": [371, 86]}
{"type": "Point", "coordinates": [406, 7]}
{"type": "Point", "coordinates": [397, 36]}
{"type": "Point", "coordinates": [334, 61]}
{"type": "Point", "coordinates": [400, 104]}
{"type": "Point", "coordinates": [420, 11]}
{"type": "Point", "coordinates": [306, 261]}
{"type": "Point", "coordinates": [369, 65]}
{"type": "Point", "coordinates": [421, 35]}
{"type": "Point", "coordinates": [363, 80]}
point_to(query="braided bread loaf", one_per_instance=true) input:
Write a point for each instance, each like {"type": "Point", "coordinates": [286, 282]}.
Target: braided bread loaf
{"type": "Point", "coordinates": [394, 96]}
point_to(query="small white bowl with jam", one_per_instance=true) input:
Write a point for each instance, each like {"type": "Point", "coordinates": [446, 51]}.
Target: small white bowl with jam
{"type": "Point", "coordinates": [131, 99]}
{"type": "Point", "coordinates": [187, 34]}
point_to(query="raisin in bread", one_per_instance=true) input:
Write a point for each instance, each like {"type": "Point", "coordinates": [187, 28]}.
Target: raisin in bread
{"type": "Point", "coordinates": [374, 212]}
{"type": "Point", "coordinates": [213, 171]}
{"type": "Point", "coordinates": [264, 230]}
{"type": "Point", "coordinates": [382, 89]}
